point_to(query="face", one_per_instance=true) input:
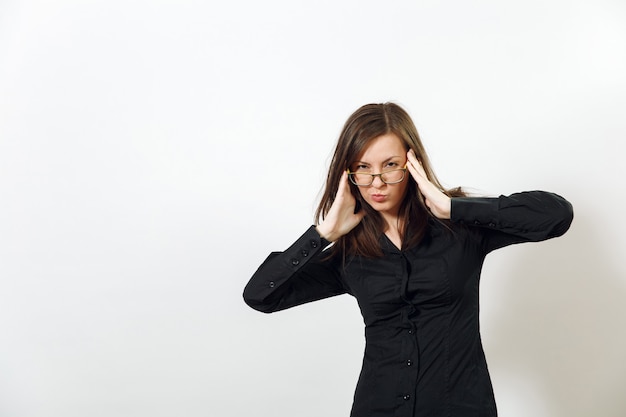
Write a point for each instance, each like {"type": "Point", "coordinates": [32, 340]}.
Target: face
{"type": "Point", "coordinates": [384, 153]}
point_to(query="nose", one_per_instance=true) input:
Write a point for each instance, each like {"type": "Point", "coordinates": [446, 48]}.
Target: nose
{"type": "Point", "coordinates": [377, 182]}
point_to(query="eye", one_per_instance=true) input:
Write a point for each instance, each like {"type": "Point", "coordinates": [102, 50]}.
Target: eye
{"type": "Point", "coordinates": [391, 165]}
{"type": "Point", "coordinates": [362, 167]}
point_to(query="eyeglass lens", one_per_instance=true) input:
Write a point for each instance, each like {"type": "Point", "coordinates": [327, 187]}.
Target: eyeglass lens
{"type": "Point", "coordinates": [388, 177]}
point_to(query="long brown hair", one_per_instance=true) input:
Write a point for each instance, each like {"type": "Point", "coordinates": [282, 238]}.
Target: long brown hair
{"type": "Point", "coordinates": [367, 123]}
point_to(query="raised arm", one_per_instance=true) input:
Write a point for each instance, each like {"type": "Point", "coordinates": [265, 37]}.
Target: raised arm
{"type": "Point", "coordinates": [530, 216]}
{"type": "Point", "coordinates": [296, 276]}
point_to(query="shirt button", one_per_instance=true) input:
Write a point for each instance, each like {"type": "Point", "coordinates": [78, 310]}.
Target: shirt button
{"type": "Point", "coordinates": [476, 222]}
{"type": "Point", "coordinates": [313, 244]}
{"type": "Point", "coordinates": [271, 284]}
{"type": "Point", "coordinates": [492, 224]}
{"type": "Point", "coordinates": [406, 397]}
{"type": "Point", "coordinates": [305, 252]}
{"type": "Point", "coordinates": [409, 362]}
{"type": "Point", "coordinates": [411, 331]}
{"type": "Point", "coordinates": [295, 262]}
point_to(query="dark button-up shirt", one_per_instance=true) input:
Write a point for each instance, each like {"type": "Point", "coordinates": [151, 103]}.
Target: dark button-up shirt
{"type": "Point", "coordinates": [423, 354]}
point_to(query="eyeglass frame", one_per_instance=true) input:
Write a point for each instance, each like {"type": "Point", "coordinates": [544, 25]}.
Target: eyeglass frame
{"type": "Point", "coordinates": [380, 175]}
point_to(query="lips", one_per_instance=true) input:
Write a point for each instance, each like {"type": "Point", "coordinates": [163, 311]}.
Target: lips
{"type": "Point", "coordinates": [379, 198]}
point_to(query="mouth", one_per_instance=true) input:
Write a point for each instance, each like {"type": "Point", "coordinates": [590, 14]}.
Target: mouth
{"type": "Point", "coordinates": [378, 197]}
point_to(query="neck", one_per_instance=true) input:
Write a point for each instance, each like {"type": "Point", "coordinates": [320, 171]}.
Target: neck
{"type": "Point", "coordinates": [393, 224]}
{"type": "Point", "coordinates": [393, 230]}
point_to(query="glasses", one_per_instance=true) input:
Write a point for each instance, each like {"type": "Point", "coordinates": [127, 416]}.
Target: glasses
{"type": "Point", "coordinates": [363, 179]}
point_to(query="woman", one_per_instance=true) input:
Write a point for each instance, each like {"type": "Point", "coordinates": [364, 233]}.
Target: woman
{"type": "Point", "coordinates": [411, 253]}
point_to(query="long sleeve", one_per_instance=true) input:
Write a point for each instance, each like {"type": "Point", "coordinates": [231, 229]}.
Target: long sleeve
{"type": "Point", "coordinates": [296, 276]}
{"type": "Point", "coordinates": [530, 216]}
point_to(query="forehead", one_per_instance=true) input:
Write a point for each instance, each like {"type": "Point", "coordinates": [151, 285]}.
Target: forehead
{"type": "Point", "coordinates": [382, 148]}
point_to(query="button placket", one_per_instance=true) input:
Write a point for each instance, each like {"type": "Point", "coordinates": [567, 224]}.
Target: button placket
{"type": "Point", "coordinates": [408, 366]}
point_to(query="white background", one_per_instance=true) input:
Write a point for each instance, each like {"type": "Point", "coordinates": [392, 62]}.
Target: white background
{"type": "Point", "coordinates": [152, 153]}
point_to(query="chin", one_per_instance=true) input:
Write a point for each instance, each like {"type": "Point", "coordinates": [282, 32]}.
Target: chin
{"type": "Point", "coordinates": [382, 207]}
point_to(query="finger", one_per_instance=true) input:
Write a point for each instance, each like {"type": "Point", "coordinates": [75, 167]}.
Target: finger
{"type": "Point", "coordinates": [414, 174]}
{"type": "Point", "coordinates": [411, 156]}
{"type": "Point", "coordinates": [415, 167]}
{"type": "Point", "coordinates": [417, 164]}
{"type": "Point", "coordinates": [341, 189]}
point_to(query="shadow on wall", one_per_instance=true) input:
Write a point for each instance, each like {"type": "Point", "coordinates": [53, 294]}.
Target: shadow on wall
{"type": "Point", "coordinates": [563, 325]}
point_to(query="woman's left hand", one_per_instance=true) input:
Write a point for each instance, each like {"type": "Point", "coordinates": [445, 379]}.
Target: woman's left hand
{"type": "Point", "coordinates": [438, 203]}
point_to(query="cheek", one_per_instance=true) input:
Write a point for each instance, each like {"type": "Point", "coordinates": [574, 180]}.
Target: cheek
{"type": "Point", "coordinates": [403, 189]}
{"type": "Point", "coordinates": [403, 186]}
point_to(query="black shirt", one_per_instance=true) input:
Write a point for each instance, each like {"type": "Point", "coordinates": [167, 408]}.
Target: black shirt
{"type": "Point", "coordinates": [423, 354]}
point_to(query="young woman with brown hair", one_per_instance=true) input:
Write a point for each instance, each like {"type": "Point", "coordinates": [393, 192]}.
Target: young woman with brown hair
{"type": "Point", "coordinates": [411, 253]}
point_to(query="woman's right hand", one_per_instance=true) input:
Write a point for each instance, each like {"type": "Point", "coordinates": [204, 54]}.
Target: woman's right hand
{"type": "Point", "coordinates": [341, 217]}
